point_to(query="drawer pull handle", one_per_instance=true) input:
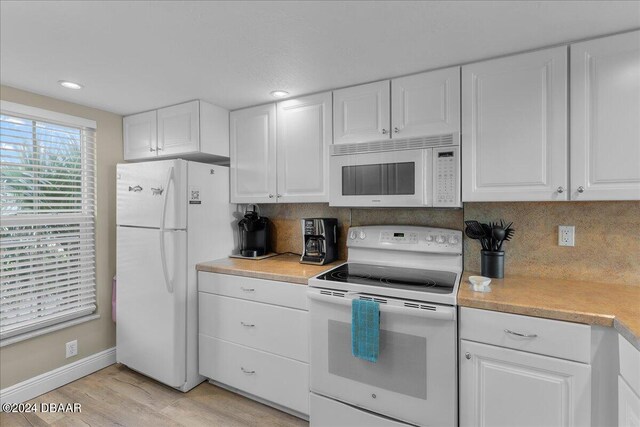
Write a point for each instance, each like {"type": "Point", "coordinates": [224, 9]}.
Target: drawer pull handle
{"type": "Point", "coordinates": [521, 335]}
{"type": "Point", "coordinates": [247, 289]}
{"type": "Point", "coordinates": [248, 325]}
{"type": "Point", "coordinates": [247, 372]}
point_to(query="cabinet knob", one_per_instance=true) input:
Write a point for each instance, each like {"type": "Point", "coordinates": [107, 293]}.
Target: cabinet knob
{"type": "Point", "coordinates": [581, 189]}
{"type": "Point", "coordinates": [247, 371]}
{"type": "Point", "coordinates": [278, 195]}
{"type": "Point", "coordinates": [396, 130]}
{"type": "Point", "coordinates": [384, 131]}
{"type": "Point", "coordinates": [560, 190]}
{"type": "Point", "coordinates": [152, 149]}
{"type": "Point", "coordinates": [271, 196]}
{"type": "Point", "coordinates": [467, 355]}
{"type": "Point", "coordinates": [158, 149]}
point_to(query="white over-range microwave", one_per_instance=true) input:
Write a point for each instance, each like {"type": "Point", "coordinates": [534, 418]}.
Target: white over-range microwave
{"type": "Point", "coordinates": [412, 172]}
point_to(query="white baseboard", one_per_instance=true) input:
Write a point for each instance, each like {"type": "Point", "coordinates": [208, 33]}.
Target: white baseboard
{"type": "Point", "coordinates": [51, 380]}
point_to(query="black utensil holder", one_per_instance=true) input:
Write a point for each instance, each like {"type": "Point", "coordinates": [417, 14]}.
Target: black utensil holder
{"type": "Point", "coordinates": [492, 264]}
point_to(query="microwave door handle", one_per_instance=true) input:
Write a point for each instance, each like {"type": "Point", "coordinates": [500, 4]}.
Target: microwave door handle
{"type": "Point", "coordinates": [441, 313]}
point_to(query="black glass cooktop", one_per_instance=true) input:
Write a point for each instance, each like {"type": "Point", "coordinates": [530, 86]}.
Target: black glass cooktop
{"type": "Point", "coordinates": [414, 279]}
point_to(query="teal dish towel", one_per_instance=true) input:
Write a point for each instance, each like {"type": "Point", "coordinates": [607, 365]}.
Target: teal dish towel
{"type": "Point", "coordinates": [365, 329]}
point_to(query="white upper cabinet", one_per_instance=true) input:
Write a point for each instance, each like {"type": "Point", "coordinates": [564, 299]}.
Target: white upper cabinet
{"type": "Point", "coordinates": [179, 129]}
{"type": "Point", "coordinates": [253, 154]}
{"type": "Point", "coordinates": [605, 118]}
{"type": "Point", "coordinates": [140, 135]}
{"type": "Point", "coordinates": [426, 103]}
{"type": "Point", "coordinates": [514, 128]}
{"type": "Point", "coordinates": [361, 113]}
{"type": "Point", "coordinates": [194, 130]}
{"type": "Point", "coordinates": [303, 139]}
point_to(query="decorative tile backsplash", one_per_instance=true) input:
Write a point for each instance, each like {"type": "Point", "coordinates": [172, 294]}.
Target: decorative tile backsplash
{"type": "Point", "coordinates": [607, 239]}
{"type": "Point", "coordinates": [607, 234]}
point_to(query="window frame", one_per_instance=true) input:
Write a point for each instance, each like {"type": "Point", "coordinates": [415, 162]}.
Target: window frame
{"type": "Point", "coordinates": [88, 187]}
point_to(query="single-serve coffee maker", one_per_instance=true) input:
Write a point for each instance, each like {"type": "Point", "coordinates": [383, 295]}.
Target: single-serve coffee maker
{"type": "Point", "coordinates": [254, 233]}
{"type": "Point", "coordinates": [319, 240]}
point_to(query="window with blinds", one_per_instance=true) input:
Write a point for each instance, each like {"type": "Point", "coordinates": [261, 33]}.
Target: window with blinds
{"type": "Point", "coordinates": [47, 223]}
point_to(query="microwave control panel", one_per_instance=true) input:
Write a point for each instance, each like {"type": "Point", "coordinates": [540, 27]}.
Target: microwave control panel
{"type": "Point", "coordinates": [446, 184]}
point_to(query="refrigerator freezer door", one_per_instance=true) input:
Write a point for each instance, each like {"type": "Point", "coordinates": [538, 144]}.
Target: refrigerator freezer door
{"type": "Point", "coordinates": [142, 188]}
{"type": "Point", "coordinates": [151, 327]}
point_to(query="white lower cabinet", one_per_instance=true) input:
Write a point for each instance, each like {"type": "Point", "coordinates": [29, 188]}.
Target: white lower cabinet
{"type": "Point", "coordinates": [253, 342]}
{"type": "Point", "coordinates": [628, 405]}
{"type": "Point", "coordinates": [268, 376]}
{"type": "Point", "coordinates": [503, 387]}
{"type": "Point", "coordinates": [628, 384]}
{"type": "Point", "coordinates": [517, 386]}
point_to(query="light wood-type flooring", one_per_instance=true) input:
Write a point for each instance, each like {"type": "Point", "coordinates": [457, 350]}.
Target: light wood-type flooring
{"type": "Point", "coordinates": [118, 396]}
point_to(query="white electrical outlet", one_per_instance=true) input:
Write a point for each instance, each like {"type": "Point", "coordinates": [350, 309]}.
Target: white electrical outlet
{"type": "Point", "coordinates": [72, 348]}
{"type": "Point", "coordinates": [566, 235]}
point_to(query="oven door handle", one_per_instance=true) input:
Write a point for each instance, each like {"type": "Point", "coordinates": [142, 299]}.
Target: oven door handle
{"type": "Point", "coordinates": [440, 313]}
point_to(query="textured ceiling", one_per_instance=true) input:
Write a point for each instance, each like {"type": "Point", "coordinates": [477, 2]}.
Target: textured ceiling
{"type": "Point", "coordinates": [135, 56]}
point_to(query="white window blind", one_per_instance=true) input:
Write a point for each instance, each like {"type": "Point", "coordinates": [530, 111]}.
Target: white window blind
{"type": "Point", "coordinates": [47, 222]}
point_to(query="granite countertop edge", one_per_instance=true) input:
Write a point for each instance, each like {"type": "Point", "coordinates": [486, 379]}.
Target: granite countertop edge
{"type": "Point", "coordinates": [283, 268]}
{"type": "Point", "coordinates": [577, 314]}
{"type": "Point", "coordinates": [287, 268]}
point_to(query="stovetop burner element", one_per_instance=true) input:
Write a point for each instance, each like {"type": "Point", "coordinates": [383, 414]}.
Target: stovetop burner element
{"type": "Point", "coordinates": [342, 276]}
{"type": "Point", "coordinates": [413, 279]}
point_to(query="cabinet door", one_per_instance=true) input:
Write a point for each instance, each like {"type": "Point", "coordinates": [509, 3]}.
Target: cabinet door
{"type": "Point", "coordinates": [628, 405]}
{"type": "Point", "coordinates": [140, 136]}
{"type": "Point", "coordinates": [605, 112]}
{"type": "Point", "coordinates": [253, 155]}
{"type": "Point", "coordinates": [514, 128]}
{"type": "Point", "coordinates": [179, 129]}
{"type": "Point", "coordinates": [361, 113]}
{"type": "Point", "coordinates": [426, 104]}
{"type": "Point", "coordinates": [502, 387]}
{"type": "Point", "coordinates": [304, 135]}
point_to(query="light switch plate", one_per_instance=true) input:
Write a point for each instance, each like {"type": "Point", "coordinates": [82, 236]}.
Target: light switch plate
{"type": "Point", "coordinates": [566, 235]}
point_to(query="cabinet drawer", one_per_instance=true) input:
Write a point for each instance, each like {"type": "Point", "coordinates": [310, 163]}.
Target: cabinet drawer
{"type": "Point", "coordinates": [269, 291]}
{"type": "Point", "coordinates": [278, 330]}
{"type": "Point", "coordinates": [274, 378]}
{"type": "Point", "coordinates": [566, 340]}
{"type": "Point", "coordinates": [629, 363]}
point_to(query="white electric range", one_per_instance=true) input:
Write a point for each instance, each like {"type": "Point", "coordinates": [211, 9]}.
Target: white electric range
{"type": "Point", "coordinates": [414, 274]}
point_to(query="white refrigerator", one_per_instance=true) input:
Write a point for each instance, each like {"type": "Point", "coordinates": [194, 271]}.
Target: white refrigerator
{"type": "Point", "coordinates": [171, 215]}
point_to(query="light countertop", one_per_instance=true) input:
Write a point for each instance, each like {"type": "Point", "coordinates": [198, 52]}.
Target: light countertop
{"type": "Point", "coordinates": [577, 301]}
{"type": "Point", "coordinates": [283, 268]}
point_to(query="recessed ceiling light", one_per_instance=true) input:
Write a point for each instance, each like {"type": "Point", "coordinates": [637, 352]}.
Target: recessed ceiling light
{"type": "Point", "coordinates": [70, 85]}
{"type": "Point", "coordinates": [279, 93]}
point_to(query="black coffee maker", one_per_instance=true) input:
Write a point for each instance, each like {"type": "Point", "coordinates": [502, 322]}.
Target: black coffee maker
{"type": "Point", "coordinates": [254, 233]}
{"type": "Point", "coordinates": [319, 240]}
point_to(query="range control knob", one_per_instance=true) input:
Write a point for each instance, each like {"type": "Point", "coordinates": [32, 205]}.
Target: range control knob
{"type": "Point", "coordinates": [440, 239]}
{"type": "Point", "coordinates": [453, 240]}
{"type": "Point", "coordinates": [429, 238]}
{"type": "Point", "coordinates": [352, 235]}
{"type": "Point", "coordinates": [362, 235]}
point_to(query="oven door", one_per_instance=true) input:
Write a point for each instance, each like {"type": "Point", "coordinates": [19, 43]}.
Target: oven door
{"type": "Point", "coordinates": [415, 377]}
{"type": "Point", "coordinates": [390, 178]}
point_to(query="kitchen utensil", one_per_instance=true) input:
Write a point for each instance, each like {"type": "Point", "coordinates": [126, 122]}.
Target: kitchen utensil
{"type": "Point", "coordinates": [498, 233]}
{"type": "Point", "coordinates": [475, 231]}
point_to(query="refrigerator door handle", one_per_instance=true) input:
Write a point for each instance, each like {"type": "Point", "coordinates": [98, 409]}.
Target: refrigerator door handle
{"type": "Point", "coordinates": [163, 255]}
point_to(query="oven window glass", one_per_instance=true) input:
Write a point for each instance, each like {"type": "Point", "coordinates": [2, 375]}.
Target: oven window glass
{"type": "Point", "coordinates": [379, 179]}
{"type": "Point", "coordinates": [401, 365]}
